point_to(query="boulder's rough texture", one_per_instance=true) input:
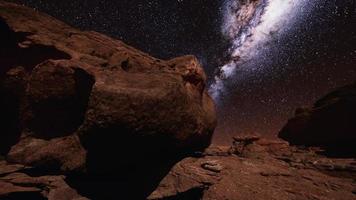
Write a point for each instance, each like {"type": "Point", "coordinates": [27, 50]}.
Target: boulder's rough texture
{"type": "Point", "coordinates": [77, 101]}
{"type": "Point", "coordinates": [95, 109]}
{"type": "Point", "coordinates": [330, 124]}
{"type": "Point", "coordinates": [188, 178]}
{"type": "Point", "coordinates": [260, 169]}
{"type": "Point", "coordinates": [17, 184]}
{"type": "Point", "coordinates": [63, 154]}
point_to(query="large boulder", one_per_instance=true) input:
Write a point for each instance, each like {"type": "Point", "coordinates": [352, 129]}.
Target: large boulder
{"type": "Point", "coordinates": [81, 101]}
{"type": "Point", "coordinates": [330, 124]}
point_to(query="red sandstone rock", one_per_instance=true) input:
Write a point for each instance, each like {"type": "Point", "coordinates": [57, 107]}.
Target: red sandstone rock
{"type": "Point", "coordinates": [76, 101]}
{"type": "Point", "coordinates": [94, 96]}
{"type": "Point", "coordinates": [269, 169]}
{"type": "Point", "coordinates": [15, 183]}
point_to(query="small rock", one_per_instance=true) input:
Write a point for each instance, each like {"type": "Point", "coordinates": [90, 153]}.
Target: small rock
{"type": "Point", "coordinates": [240, 142]}
{"type": "Point", "coordinates": [247, 138]}
{"type": "Point", "coordinates": [213, 166]}
{"type": "Point", "coordinates": [217, 151]}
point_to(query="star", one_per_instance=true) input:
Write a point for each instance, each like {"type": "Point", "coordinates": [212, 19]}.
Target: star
{"type": "Point", "coordinates": [293, 53]}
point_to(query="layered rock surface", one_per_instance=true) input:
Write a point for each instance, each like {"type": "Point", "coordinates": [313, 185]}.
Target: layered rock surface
{"type": "Point", "coordinates": [251, 168]}
{"type": "Point", "coordinates": [259, 169]}
{"type": "Point", "coordinates": [18, 183]}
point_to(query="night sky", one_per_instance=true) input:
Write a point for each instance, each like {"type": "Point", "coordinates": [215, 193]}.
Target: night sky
{"type": "Point", "coordinates": [295, 61]}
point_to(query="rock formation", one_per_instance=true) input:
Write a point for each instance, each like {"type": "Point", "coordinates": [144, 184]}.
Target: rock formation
{"type": "Point", "coordinates": [84, 116]}
{"type": "Point", "coordinates": [17, 184]}
{"type": "Point", "coordinates": [62, 85]}
{"type": "Point", "coordinates": [260, 169]}
{"type": "Point", "coordinates": [330, 124]}
{"type": "Point", "coordinates": [78, 102]}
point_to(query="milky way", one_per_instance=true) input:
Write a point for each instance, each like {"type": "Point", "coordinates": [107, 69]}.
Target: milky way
{"type": "Point", "coordinates": [263, 58]}
{"type": "Point", "coordinates": [250, 25]}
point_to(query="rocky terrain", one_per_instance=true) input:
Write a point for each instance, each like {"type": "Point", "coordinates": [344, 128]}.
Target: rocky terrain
{"type": "Point", "coordinates": [84, 116]}
{"type": "Point", "coordinates": [257, 168]}
{"type": "Point", "coordinates": [330, 124]}
{"type": "Point", "coordinates": [252, 168]}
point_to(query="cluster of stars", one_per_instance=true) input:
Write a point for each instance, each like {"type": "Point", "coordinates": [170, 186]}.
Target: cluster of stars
{"type": "Point", "coordinates": [315, 54]}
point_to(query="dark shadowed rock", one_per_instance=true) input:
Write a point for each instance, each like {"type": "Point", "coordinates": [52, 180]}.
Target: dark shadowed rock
{"type": "Point", "coordinates": [17, 183]}
{"type": "Point", "coordinates": [114, 97]}
{"type": "Point", "coordinates": [57, 95]}
{"type": "Point", "coordinates": [74, 101]}
{"type": "Point", "coordinates": [330, 124]}
{"type": "Point", "coordinates": [63, 154]}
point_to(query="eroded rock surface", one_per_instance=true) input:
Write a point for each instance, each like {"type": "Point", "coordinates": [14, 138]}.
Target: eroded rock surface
{"type": "Point", "coordinates": [262, 169]}
{"type": "Point", "coordinates": [95, 96]}
{"type": "Point", "coordinates": [88, 106]}
{"type": "Point", "coordinates": [18, 183]}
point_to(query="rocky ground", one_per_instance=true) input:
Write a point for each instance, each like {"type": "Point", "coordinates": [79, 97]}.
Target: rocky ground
{"type": "Point", "coordinates": [84, 116]}
{"type": "Point", "coordinates": [249, 169]}
{"type": "Point", "coordinates": [261, 169]}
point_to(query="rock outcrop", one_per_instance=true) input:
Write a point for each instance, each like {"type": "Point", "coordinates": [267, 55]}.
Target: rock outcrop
{"type": "Point", "coordinates": [97, 97]}
{"type": "Point", "coordinates": [84, 116]}
{"type": "Point", "coordinates": [252, 168]}
{"type": "Point", "coordinates": [330, 124]}
{"type": "Point", "coordinates": [18, 183]}
{"type": "Point", "coordinates": [81, 104]}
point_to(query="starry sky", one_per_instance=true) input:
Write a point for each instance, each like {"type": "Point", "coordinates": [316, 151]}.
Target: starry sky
{"type": "Point", "coordinates": [287, 65]}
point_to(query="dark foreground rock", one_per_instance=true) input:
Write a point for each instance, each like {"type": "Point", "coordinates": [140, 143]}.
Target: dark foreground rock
{"type": "Point", "coordinates": [18, 183]}
{"type": "Point", "coordinates": [91, 107]}
{"type": "Point", "coordinates": [76, 101]}
{"type": "Point", "coordinates": [330, 124]}
{"type": "Point", "coordinates": [251, 168]}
